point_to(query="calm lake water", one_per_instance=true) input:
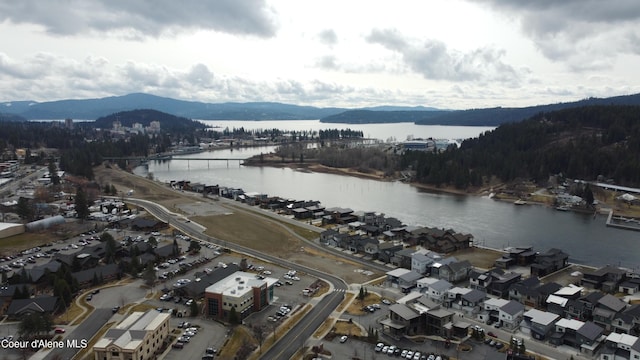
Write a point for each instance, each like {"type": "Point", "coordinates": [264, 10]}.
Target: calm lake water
{"type": "Point", "coordinates": [492, 223]}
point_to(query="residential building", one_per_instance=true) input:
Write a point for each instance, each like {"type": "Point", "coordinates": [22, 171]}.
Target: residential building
{"type": "Point", "coordinates": [451, 269]}
{"type": "Point", "coordinates": [507, 313]}
{"type": "Point", "coordinates": [539, 324]}
{"type": "Point", "coordinates": [580, 335]}
{"type": "Point", "coordinates": [607, 309]}
{"type": "Point", "coordinates": [606, 279]}
{"type": "Point", "coordinates": [468, 300]}
{"type": "Point", "coordinates": [139, 336]}
{"type": "Point", "coordinates": [403, 279]}
{"type": "Point", "coordinates": [549, 262]}
{"type": "Point", "coordinates": [620, 347]}
{"type": "Point", "coordinates": [434, 289]}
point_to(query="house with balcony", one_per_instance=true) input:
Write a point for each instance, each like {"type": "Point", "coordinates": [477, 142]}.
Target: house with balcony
{"type": "Point", "coordinates": [539, 324]}
{"type": "Point", "coordinates": [468, 300]}
{"type": "Point", "coordinates": [387, 250]}
{"type": "Point", "coordinates": [606, 279]}
{"type": "Point", "coordinates": [606, 310]}
{"type": "Point", "coordinates": [403, 279]}
{"type": "Point", "coordinates": [402, 320]}
{"type": "Point", "coordinates": [620, 347]}
{"type": "Point", "coordinates": [507, 313]}
{"type": "Point", "coordinates": [434, 289]}
{"type": "Point", "coordinates": [549, 262]}
{"type": "Point", "coordinates": [421, 262]}
{"type": "Point", "coordinates": [525, 291]}
{"type": "Point", "coordinates": [628, 321]}
{"type": "Point", "coordinates": [451, 269]}
{"type": "Point", "coordinates": [583, 336]}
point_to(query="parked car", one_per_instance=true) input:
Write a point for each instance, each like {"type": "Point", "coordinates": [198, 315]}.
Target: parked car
{"type": "Point", "coordinates": [59, 330]}
{"type": "Point", "coordinates": [178, 345]}
{"type": "Point", "coordinates": [343, 338]}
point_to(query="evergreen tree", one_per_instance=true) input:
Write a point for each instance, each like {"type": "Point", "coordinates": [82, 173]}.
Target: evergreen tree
{"type": "Point", "coordinates": [233, 317]}
{"type": "Point", "coordinates": [81, 202]}
{"type": "Point", "coordinates": [53, 173]}
{"type": "Point", "coordinates": [149, 275]}
{"type": "Point", "coordinates": [194, 308]}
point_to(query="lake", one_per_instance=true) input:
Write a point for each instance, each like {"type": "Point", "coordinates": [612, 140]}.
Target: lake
{"type": "Point", "coordinates": [492, 223]}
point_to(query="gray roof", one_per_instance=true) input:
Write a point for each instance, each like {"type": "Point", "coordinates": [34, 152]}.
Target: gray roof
{"type": "Point", "coordinates": [403, 311]}
{"type": "Point", "coordinates": [40, 304]}
{"type": "Point", "coordinates": [421, 257]}
{"type": "Point", "coordinates": [612, 303]}
{"type": "Point", "coordinates": [411, 276]}
{"type": "Point", "coordinates": [512, 307]}
{"type": "Point", "coordinates": [590, 330]}
{"type": "Point", "coordinates": [441, 285]}
{"type": "Point", "coordinates": [474, 296]}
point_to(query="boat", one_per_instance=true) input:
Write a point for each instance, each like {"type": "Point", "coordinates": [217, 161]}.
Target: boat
{"type": "Point", "coordinates": [562, 208]}
{"type": "Point", "coordinates": [520, 202]}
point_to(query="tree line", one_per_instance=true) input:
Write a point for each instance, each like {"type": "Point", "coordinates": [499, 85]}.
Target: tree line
{"type": "Point", "coordinates": [582, 143]}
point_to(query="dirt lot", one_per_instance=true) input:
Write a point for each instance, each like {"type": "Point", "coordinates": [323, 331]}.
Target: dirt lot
{"type": "Point", "coordinates": [247, 229]}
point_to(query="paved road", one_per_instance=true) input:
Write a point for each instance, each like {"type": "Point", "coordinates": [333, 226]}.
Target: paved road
{"type": "Point", "coordinates": [84, 331]}
{"type": "Point", "coordinates": [308, 324]}
{"type": "Point", "coordinates": [295, 338]}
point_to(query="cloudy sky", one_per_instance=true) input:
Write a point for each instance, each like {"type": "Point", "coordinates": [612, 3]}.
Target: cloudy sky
{"type": "Point", "coordinates": [453, 54]}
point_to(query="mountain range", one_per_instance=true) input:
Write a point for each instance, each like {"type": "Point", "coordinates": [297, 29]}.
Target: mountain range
{"type": "Point", "coordinates": [91, 109]}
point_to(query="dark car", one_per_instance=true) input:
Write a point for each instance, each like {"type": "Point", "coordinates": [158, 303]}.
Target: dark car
{"type": "Point", "coordinates": [178, 345]}
{"type": "Point", "coordinates": [115, 309]}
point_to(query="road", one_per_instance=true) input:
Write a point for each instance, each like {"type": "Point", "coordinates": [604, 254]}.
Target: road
{"type": "Point", "coordinates": [308, 324]}
{"type": "Point", "coordinates": [90, 326]}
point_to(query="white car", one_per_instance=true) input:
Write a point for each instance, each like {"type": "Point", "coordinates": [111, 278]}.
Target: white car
{"type": "Point", "coordinates": [379, 347]}
{"type": "Point", "coordinates": [343, 338]}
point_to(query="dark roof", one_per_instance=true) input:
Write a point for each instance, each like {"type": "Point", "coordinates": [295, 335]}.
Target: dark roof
{"type": "Point", "coordinates": [166, 250]}
{"type": "Point", "coordinates": [592, 297]}
{"type": "Point", "coordinates": [38, 271]}
{"type": "Point", "coordinates": [549, 288]}
{"type": "Point", "coordinates": [40, 304]}
{"type": "Point", "coordinates": [197, 288]}
{"type": "Point", "coordinates": [590, 330]}
{"type": "Point", "coordinates": [100, 271]}
{"type": "Point", "coordinates": [10, 290]}
{"type": "Point", "coordinates": [459, 265]}
{"type": "Point", "coordinates": [512, 307]}
{"type": "Point", "coordinates": [612, 303]}
{"type": "Point", "coordinates": [474, 296]}
{"type": "Point", "coordinates": [403, 311]}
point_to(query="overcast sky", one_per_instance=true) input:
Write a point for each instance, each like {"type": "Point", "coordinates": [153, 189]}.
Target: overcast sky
{"type": "Point", "coordinates": [453, 54]}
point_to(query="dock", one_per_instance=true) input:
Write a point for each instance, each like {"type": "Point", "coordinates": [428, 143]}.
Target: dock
{"type": "Point", "coordinates": [620, 222]}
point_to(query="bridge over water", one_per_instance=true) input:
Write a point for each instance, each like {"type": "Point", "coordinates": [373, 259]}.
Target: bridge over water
{"type": "Point", "coordinates": [159, 158]}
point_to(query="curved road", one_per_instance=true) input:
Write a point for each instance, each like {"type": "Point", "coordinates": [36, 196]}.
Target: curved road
{"type": "Point", "coordinates": [294, 339]}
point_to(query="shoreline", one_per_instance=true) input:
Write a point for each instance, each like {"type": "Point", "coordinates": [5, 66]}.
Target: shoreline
{"type": "Point", "coordinates": [380, 176]}
{"type": "Point", "coordinates": [476, 246]}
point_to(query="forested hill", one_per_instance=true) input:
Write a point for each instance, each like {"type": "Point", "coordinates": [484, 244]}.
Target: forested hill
{"type": "Point", "coordinates": [168, 122]}
{"type": "Point", "coordinates": [11, 117]}
{"type": "Point", "coordinates": [375, 117]}
{"type": "Point", "coordinates": [471, 117]}
{"type": "Point", "coordinates": [581, 143]}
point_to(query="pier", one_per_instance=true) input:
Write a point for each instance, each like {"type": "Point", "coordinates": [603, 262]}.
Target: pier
{"type": "Point", "coordinates": [621, 222]}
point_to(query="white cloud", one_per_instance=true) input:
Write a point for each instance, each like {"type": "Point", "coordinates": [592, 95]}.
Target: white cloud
{"type": "Point", "coordinates": [584, 34]}
{"type": "Point", "coordinates": [142, 18]}
{"type": "Point", "coordinates": [434, 60]}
